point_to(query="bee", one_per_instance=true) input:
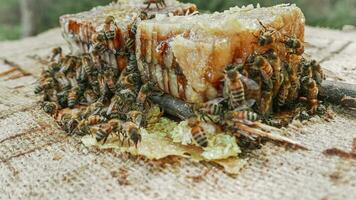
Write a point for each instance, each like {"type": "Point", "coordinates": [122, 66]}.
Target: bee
{"type": "Point", "coordinates": [318, 74]}
{"type": "Point", "coordinates": [50, 107]}
{"type": "Point", "coordinates": [52, 69]}
{"type": "Point", "coordinates": [197, 132]}
{"type": "Point", "coordinates": [237, 67]}
{"type": "Point", "coordinates": [109, 78]}
{"type": "Point", "coordinates": [266, 102]}
{"type": "Point", "coordinates": [313, 96]}
{"type": "Point", "coordinates": [47, 83]}
{"type": "Point", "coordinates": [92, 109]}
{"type": "Point", "coordinates": [63, 81]}
{"type": "Point", "coordinates": [263, 64]}
{"type": "Point", "coordinates": [234, 90]}
{"type": "Point", "coordinates": [94, 119]}
{"type": "Point", "coordinates": [283, 94]}
{"type": "Point", "coordinates": [69, 123]}
{"type": "Point", "coordinates": [103, 88]}
{"type": "Point", "coordinates": [131, 132]}
{"type": "Point", "coordinates": [113, 126]}
{"type": "Point", "coordinates": [109, 30]}
{"type": "Point", "coordinates": [69, 64]}
{"type": "Point", "coordinates": [99, 46]}
{"type": "Point", "coordinates": [63, 98]}
{"type": "Point", "coordinates": [267, 36]}
{"type": "Point", "coordinates": [294, 45]}
{"type": "Point", "coordinates": [275, 62]}
{"type": "Point", "coordinates": [136, 117]}
{"type": "Point", "coordinates": [56, 54]}
{"type": "Point", "coordinates": [294, 86]}
{"type": "Point", "coordinates": [73, 97]}
{"type": "Point", "coordinates": [87, 64]}
{"type": "Point", "coordinates": [90, 96]}
{"type": "Point", "coordinates": [241, 116]}
{"type": "Point", "coordinates": [146, 90]}
{"type": "Point", "coordinates": [158, 3]}
{"type": "Point", "coordinates": [130, 81]}
{"type": "Point", "coordinates": [212, 107]}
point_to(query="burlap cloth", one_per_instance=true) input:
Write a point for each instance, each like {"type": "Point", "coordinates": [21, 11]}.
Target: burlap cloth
{"type": "Point", "coordinates": [38, 162]}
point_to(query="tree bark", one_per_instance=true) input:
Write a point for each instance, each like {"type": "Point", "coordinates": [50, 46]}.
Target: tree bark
{"type": "Point", "coordinates": [29, 17]}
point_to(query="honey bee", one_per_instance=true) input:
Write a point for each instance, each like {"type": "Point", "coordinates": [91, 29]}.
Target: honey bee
{"type": "Point", "coordinates": [241, 116]}
{"type": "Point", "coordinates": [212, 107]}
{"type": "Point", "coordinates": [92, 109]}
{"type": "Point", "coordinates": [277, 77]}
{"type": "Point", "coordinates": [90, 96]}
{"type": "Point", "coordinates": [99, 46]}
{"type": "Point", "coordinates": [197, 132]}
{"type": "Point", "coordinates": [136, 117]}
{"type": "Point", "coordinates": [69, 64]}
{"type": "Point", "coordinates": [294, 45]}
{"type": "Point", "coordinates": [130, 81]}
{"type": "Point", "coordinates": [318, 74]}
{"type": "Point", "coordinates": [69, 123]}
{"type": "Point", "coordinates": [294, 86]}
{"type": "Point", "coordinates": [63, 98]}
{"type": "Point", "coordinates": [234, 90]}
{"type": "Point", "coordinates": [131, 132]}
{"type": "Point", "coordinates": [313, 96]}
{"type": "Point", "coordinates": [56, 54]}
{"type": "Point", "coordinates": [63, 81]}
{"type": "Point", "coordinates": [283, 94]}
{"type": "Point", "coordinates": [94, 119]}
{"type": "Point", "coordinates": [109, 79]}
{"type": "Point", "coordinates": [52, 69]}
{"type": "Point", "coordinates": [47, 83]}
{"type": "Point", "coordinates": [50, 107]}
{"type": "Point", "coordinates": [105, 130]}
{"type": "Point", "coordinates": [146, 90]}
{"type": "Point", "coordinates": [73, 97]}
{"type": "Point", "coordinates": [263, 64]}
{"type": "Point", "coordinates": [158, 3]}
{"type": "Point", "coordinates": [266, 102]}
{"type": "Point", "coordinates": [87, 64]}
{"type": "Point", "coordinates": [267, 36]}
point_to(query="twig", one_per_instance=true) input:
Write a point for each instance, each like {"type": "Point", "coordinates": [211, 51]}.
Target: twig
{"type": "Point", "coordinates": [270, 135]}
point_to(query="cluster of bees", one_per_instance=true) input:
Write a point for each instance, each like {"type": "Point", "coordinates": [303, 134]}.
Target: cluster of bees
{"type": "Point", "coordinates": [108, 102]}
{"type": "Point", "coordinates": [275, 84]}
{"type": "Point", "coordinates": [102, 100]}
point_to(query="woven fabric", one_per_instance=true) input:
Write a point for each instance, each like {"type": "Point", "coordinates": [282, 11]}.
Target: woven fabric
{"type": "Point", "coordinates": [38, 162]}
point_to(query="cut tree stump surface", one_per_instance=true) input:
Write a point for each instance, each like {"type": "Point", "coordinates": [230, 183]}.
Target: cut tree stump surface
{"type": "Point", "coordinates": [37, 161]}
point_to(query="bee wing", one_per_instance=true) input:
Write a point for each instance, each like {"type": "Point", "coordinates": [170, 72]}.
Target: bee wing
{"type": "Point", "coordinates": [250, 84]}
{"type": "Point", "coordinates": [215, 101]}
{"type": "Point", "coordinates": [246, 105]}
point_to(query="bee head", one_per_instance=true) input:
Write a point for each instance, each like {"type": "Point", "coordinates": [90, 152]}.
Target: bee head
{"type": "Point", "coordinates": [109, 20]}
{"type": "Point", "coordinates": [193, 121]}
{"type": "Point", "coordinates": [232, 75]}
{"type": "Point", "coordinates": [143, 15]}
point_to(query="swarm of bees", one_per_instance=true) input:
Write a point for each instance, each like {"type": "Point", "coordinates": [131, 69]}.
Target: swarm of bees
{"type": "Point", "coordinates": [106, 102]}
{"type": "Point", "coordinates": [275, 84]}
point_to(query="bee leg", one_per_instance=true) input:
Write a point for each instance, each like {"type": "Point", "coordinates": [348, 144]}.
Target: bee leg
{"type": "Point", "coordinates": [105, 139]}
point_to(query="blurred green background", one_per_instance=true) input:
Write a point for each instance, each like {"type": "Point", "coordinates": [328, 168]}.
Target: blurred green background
{"type": "Point", "coordinates": [325, 13]}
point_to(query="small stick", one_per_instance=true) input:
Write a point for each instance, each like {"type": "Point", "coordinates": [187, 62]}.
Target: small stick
{"type": "Point", "coordinates": [9, 71]}
{"type": "Point", "coordinates": [270, 135]}
{"type": "Point", "coordinates": [17, 67]}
